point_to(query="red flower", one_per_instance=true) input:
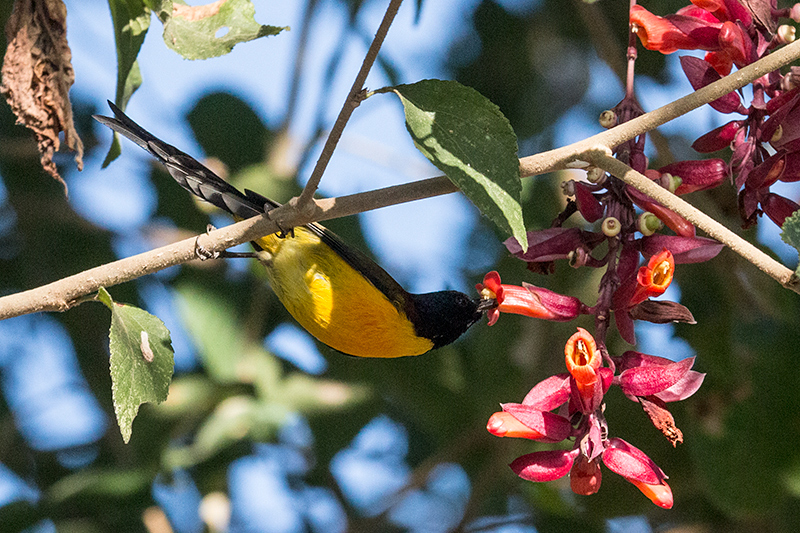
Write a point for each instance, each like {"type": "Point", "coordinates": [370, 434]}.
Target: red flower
{"type": "Point", "coordinates": [659, 33]}
{"type": "Point", "coordinates": [527, 300]}
{"type": "Point", "coordinates": [585, 476]}
{"type": "Point", "coordinates": [653, 279]}
{"type": "Point", "coordinates": [583, 359]}
{"type": "Point", "coordinates": [718, 28]}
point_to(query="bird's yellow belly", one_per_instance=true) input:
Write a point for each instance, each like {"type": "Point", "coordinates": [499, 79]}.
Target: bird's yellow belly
{"type": "Point", "coordinates": [335, 303]}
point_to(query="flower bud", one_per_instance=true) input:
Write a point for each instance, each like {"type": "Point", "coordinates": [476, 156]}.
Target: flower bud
{"type": "Point", "coordinates": [596, 175]}
{"type": "Point", "coordinates": [718, 138]}
{"type": "Point", "coordinates": [794, 13]}
{"type": "Point", "coordinates": [697, 175]}
{"type": "Point", "coordinates": [778, 208]}
{"type": "Point", "coordinates": [777, 135]}
{"type": "Point", "coordinates": [611, 227]}
{"type": "Point", "coordinates": [503, 424]}
{"type": "Point", "coordinates": [785, 34]}
{"type": "Point", "coordinates": [648, 223]}
{"type": "Point", "coordinates": [608, 119]}
{"type": "Point", "coordinates": [674, 221]}
{"type": "Point", "coordinates": [585, 476]}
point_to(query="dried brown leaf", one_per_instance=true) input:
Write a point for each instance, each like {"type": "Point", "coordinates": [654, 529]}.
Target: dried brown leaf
{"type": "Point", "coordinates": [662, 419]}
{"type": "Point", "coordinates": [37, 75]}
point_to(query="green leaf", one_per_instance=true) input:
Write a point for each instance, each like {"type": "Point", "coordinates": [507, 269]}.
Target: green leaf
{"type": "Point", "coordinates": [212, 30]}
{"type": "Point", "coordinates": [141, 360]}
{"type": "Point", "coordinates": [791, 234]}
{"type": "Point", "coordinates": [468, 138]}
{"type": "Point", "coordinates": [131, 20]}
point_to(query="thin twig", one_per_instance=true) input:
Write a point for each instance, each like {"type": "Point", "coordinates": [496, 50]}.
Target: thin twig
{"type": "Point", "coordinates": [351, 102]}
{"type": "Point", "coordinates": [785, 276]}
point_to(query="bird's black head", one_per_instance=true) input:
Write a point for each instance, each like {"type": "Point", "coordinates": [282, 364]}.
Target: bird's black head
{"type": "Point", "coordinates": [444, 316]}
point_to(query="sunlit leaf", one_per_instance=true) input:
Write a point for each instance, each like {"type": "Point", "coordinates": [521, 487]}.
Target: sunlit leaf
{"type": "Point", "coordinates": [141, 360]}
{"type": "Point", "coordinates": [211, 30]}
{"type": "Point", "coordinates": [468, 138]}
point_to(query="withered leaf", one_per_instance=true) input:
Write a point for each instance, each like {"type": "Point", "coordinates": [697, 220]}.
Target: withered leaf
{"type": "Point", "coordinates": [37, 75]}
{"type": "Point", "coordinates": [662, 419]}
{"type": "Point", "coordinates": [662, 312]}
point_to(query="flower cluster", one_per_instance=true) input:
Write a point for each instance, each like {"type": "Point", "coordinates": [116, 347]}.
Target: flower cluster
{"type": "Point", "coordinates": [577, 398]}
{"type": "Point", "coordinates": [620, 225]}
{"type": "Point", "coordinates": [577, 395]}
{"type": "Point", "coordinates": [737, 33]}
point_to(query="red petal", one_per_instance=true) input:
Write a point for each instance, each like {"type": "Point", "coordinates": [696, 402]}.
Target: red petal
{"type": "Point", "coordinates": [589, 206]}
{"type": "Point", "coordinates": [652, 379]}
{"type": "Point", "coordinates": [685, 387]}
{"type": "Point", "coordinates": [544, 466]}
{"type": "Point", "coordinates": [778, 208]}
{"type": "Point", "coordinates": [631, 463]}
{"type": "Point", "coordinates": [658, 493]}
{"type": "Point", "coordinates": [718, 138]}
{"type": "Point", "coordinates": [549, 394]}
{"type": "Point", "coordinates": [551, 427]}
{"type": "Point", "coordinates": [684, 249]}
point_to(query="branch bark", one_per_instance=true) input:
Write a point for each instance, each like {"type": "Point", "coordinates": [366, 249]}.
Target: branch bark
{"type": "Point", "coordinates": [63, 294]}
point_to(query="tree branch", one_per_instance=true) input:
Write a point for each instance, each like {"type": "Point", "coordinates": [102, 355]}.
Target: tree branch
{"type": "Point", "coordinates": [557, 159]}
{"type": "Point", "coordinates": [785, 276]}
{"type": "Point", "coordinates": [63, 294]}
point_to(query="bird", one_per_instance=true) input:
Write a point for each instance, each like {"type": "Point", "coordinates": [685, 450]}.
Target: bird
{"type": "Point", "coordinates": [334, 291]}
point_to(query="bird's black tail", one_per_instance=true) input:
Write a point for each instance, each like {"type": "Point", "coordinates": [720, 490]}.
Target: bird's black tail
{"type": "Point", "coordinates": [189, 172]}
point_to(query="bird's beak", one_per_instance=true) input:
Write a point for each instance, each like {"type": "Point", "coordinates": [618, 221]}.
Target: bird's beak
{"type": "Point", "coordinates": [485, 304]}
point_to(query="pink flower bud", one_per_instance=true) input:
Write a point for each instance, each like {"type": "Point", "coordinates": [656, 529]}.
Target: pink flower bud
{"type": "Point", "coordinates": [778, 208]}
{"type": "Point", "coordinates": [544, 466]}
{"type": "Point", "coordinates": [718, 138]}
{"type": "Point", "coordinates": [697, 175]}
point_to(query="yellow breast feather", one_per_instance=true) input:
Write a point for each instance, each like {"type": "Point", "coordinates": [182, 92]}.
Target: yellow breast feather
{"type": "Point", "coordinates": [343, 310]}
